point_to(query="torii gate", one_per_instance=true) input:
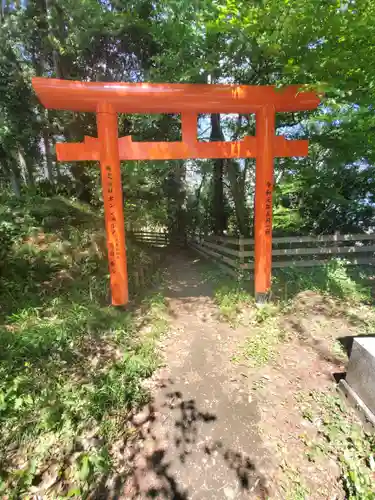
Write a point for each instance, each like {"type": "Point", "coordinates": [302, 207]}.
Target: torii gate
{"type": "Point", "coordinates": [108, 99]}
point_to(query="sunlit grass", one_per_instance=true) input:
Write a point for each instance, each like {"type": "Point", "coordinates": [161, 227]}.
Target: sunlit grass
{"type": "Point", "coordinates": [335, 279]}
{"type": "Point", "coordinates": [230, 295]}
{"type": "Point", "coordinates": [341, 436]}
{"type": "Point", "coordinates": [70, 364]}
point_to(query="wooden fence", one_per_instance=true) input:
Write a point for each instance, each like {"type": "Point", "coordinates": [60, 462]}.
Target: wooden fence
{"type": "Point", "coordinates": [235, 254]}
{"type": "Point", "coordinates": [150, 238]}
{"type": "Point", "coordinates": [157, 239]}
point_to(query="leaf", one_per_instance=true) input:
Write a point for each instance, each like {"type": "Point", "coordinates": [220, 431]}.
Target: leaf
{"type": "Point", "coordinates": [85, 468]}
{"type": "Point", "coordinates": [74, 492]}
{"type": "Point", "coordinates": [18, 403]}
{"type": "Point", "coordinates": [3, 405]}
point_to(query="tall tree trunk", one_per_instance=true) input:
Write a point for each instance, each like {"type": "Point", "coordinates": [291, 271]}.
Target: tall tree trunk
{"type": "Point", "coordinates": [237, 187]}
{"type": "Point", "coordinates": [57, 166]}
{"type": "Point", "coordinates": [218, 201]}
{"type": "Point", "coordinates": [39, 62]}
{"type": "Point", "coordinates": [174, 189]}
{"type": "Point", "coordinates": [47, 153]}
{"type": "Point", "coordinates": [53, 32]}
{"type": "Point", "coordinates": [180, 201]}
{"type": "Point", "coordinates": [13, 170]}
{"type": "Point", "coordinates": [15, 183]}
{"type": "Point", "coordinates": [26, 167]}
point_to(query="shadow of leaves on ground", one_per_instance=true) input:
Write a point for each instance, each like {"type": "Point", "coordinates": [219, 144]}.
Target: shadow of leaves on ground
{"type": "Point", "coordinates": [148, 471]}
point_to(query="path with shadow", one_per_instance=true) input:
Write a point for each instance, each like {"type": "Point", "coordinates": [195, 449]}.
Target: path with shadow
{"type": "Point", "coordinates": [198, 436]}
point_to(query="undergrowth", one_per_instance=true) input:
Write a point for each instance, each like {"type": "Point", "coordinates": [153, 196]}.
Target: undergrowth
{"type": "Point", "coordinates": [260, 347]}
{"type": "Point", "coordinates": [341, 436]}
{"type": "Point", "coordinates": [230, 295]}
{"type": "Point", "coordinates": [71, 367]}
{"type": "Point", "coordinates": [236, 304]}
{"type": "Point", "coordinates": [335, 279]}
{"type": "Point", "coordinates": [293, 485]}
{"type": "Point", "coordinates": [233, 298]}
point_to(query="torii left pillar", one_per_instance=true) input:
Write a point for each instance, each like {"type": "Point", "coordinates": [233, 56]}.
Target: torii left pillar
{"type": "Point", "coordinates": [106, 117]}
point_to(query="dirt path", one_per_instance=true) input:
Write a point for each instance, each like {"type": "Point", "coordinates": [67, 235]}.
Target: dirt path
{"type": "Point", "coordinates": [199, 437]}
{"type": "Point", "coordinates": [219, 429]}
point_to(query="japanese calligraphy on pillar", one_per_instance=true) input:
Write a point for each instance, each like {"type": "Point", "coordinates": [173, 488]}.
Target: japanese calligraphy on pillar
{"type": "Point", "coordinates": [114, 245]}
{"type": "Point", "coordinates": [268, 218]}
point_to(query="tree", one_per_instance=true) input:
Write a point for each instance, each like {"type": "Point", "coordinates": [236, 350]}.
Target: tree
{"type": "Point", "coordinates": [322, 44]}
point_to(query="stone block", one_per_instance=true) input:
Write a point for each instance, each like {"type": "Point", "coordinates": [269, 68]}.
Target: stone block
{"type": "Point", "coordinates": [360, 374]}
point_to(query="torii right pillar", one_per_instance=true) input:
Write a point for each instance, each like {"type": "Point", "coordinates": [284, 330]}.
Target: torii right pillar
{"type": "Point", "coordinates": [264, 173]}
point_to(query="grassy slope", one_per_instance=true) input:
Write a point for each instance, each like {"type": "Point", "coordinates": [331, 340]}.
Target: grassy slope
{"type": "Point", "coordinates": [322, 304]}
{"type": "Point", "coordinates": [70, 366]}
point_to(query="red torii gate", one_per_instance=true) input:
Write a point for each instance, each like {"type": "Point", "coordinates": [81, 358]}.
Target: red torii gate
{"type": "Point", "coordinates": [108, 99]}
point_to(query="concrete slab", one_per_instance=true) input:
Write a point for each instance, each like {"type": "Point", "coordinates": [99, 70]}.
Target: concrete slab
{"type": "Point", "coordinates": [360, 375]}
{"type": "Point", "coordinates": [364, 413]}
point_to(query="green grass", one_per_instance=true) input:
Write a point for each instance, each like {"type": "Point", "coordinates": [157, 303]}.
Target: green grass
{"type": "Point", "coordinates": [236, 305]}
{"type": "Point", "coordinates": [231, 296]}
{"type": "Point", "coordinates": [335, 279]}
{"type": "Point", "coordinates": [70, 365]}
{"type": "Point", "coordinates": [343, 437]}
{"type": "Point", "coordinates": [293, 484]}
{"type": "Point", "coordinates": [261, 346]}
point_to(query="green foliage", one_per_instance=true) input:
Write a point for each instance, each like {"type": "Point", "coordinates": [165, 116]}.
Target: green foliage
{"type": "Point", "coordinates": [272, 42]}
{"type": "Point", "coordinates": [293, 486]}
{"type": "Point", "coordinates": [335, 279]}
{"type": "Point", "coordinates": [230, 299]}
{"type": "Point", "coordinates": [345, 439]}
{"type": "Point", "coordinates": [236, 305]}
{"type": "Point", "coordinates": [69, 363]}
{"type": "Point", "coordinates": [7, 234]}
{"type": "Point", "coordinates": [53, 314]}
{"type": "Point", "coordinates": [230, 296]}
{"type": "Point", "coordinates": [88, 465]}
{"type": "Point", "coordinates": [261, 345]}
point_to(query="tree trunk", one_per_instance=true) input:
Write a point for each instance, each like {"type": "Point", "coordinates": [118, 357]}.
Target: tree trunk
{"type": "Point", "coordinates": [174, 189]}
{"type": "Point", "coordinates": [218, 201]}
{"type": "Point", "coordinates": [14, 175]}
{"type": "Point", "coordinates": [26, 168]}
{"type": "Point", "coordinates": [48, 4]}
{"type": "Point", "coordinates": [47, 153]}
{"type": "Point", "coordinates": [180, 202]}
{"type": "Point", "coordinates": [15, 183]}
{"type": "Point", "coordinates": [57, 166]}
{"type": "Point", "coordinates": [237, 187]}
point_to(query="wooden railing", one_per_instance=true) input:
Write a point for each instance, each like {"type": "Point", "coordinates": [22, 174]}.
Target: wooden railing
{"type": "Point", "coordinates": [151, 238]}
{"type": "Point", "coordinates": [235, 254]}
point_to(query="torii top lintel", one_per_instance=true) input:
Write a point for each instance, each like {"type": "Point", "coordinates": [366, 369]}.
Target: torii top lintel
{"type": "Point", "coordinates": [170, 97]}
{"type": "Point", "coordinates": [187, 99]}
